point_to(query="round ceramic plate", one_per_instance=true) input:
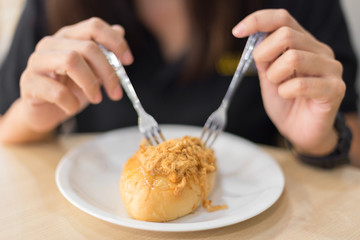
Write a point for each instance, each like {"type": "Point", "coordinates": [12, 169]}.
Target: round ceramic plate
{"type": "Point", "coordinates": [249, 181]}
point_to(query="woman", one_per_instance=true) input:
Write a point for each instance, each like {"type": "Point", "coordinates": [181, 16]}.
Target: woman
{"type": "Point", "coordinates": [175, 61]}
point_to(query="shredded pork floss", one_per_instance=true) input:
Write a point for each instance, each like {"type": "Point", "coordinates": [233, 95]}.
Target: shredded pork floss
{"type": "Point", "coordinates": [180, 160]}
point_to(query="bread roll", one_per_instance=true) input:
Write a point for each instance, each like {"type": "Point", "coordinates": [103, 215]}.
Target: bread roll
{"type": "Point", "coordinates": [167, 181]}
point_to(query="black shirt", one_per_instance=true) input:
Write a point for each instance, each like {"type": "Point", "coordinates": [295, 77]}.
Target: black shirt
{"type": "Point", "coordinates": [172, 102]}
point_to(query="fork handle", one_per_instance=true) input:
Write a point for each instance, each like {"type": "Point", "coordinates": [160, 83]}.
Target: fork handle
{"type": "Point", "coordinates": [244, 63]}
{"type": "Point", "coordinates": [124, 78]}
{"type": "Point", "coordinates": [128, 87]}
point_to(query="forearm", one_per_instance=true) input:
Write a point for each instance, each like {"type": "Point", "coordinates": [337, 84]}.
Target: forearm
{"type": "Point", "coordinates": [14, 128]}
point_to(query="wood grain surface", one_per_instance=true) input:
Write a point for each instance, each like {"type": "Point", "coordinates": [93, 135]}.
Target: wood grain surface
{"type": "Point", "coordinates": [316, 204]}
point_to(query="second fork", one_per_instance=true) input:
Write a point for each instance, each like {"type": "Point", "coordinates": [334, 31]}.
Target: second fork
{"type": "Point", "coordinates": [216, 122]}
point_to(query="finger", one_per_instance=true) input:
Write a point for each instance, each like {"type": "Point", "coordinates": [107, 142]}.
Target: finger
{"type": "Point", "coordinates": [286, 38]}
{"type": "Point", "coordinates": [313, 88]}
{"type": "Point", "coordinates": [295, 63]}
{"type": "Point", "coordinates": [126, 58]}
{"type": "Point", "coordinates": [265, 21]}
{"type": "Point", "coordinates": [69, 63]}
{"type": "Point", "coordinates": [46, 89]}
{"type": "Point", "coordinates": [95, 58]}
{"type": "Point", "coordinates": [98, 30]}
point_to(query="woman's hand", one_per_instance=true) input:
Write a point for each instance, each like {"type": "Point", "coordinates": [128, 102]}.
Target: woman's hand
{"type": "Point", "coordinates": [66, 71]}
{"type": "Point", "coordinates": [301, 82]}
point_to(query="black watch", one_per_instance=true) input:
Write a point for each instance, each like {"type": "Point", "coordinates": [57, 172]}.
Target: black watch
{"type": "Point", "coordinates": [339, 156]}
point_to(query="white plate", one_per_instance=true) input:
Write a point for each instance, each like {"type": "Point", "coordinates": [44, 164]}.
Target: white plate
{"type": "Point", "coordinates": [249, 181]}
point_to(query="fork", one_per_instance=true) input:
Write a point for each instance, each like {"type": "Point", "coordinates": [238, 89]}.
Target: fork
{"type": "Point", "coordinates": [146, 123]}
{"type": "Point", "coordinates": [216, 122]}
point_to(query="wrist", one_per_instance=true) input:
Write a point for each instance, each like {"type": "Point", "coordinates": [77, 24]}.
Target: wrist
{"type": "Point", "coordinates": [39, 118]}
{"type": "Point", "coordinates": [14, 127]}
{"type": "Point", "coordinates": [324, 147]}
{"type": "Point", "coordinates": [339, 155]}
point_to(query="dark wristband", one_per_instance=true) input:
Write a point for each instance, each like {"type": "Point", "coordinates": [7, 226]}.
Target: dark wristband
{"type": "Point", "coordinates": [339, 156]}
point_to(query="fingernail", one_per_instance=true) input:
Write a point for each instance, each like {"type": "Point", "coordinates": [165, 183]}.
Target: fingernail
{"type": "Point", "coordinates": [239, 30]}
{"type": "Point", "coordinates": [98, 97]}
{"type": "Point", "coordinates": [127, 57]}
{"type": "Point", "coordinates": [117, 92]}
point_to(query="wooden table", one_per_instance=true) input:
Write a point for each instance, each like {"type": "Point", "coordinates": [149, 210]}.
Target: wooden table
{"type": "Point", "coordinates": [316, 204]}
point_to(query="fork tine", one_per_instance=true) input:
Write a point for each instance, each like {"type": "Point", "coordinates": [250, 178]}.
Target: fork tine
{"type": "Point", "coordinates": [148, 137]}
{"type": "Point", "coordinates": [160, 133]}
{"type": "Point", "coordinates": [153, 134]}
{"type": "Point", "coordinates": [217, 133]}
{"type": "Point", "coordinates": [155, 139]}
{"type": "Point", "coordinates": [208, 137]}
{"type": "Point", "coordinates": [209, 132]}
{"type": "Point", "coordinates": [206, 127]}
{"type": "Point", "coordinates": [212, 132]}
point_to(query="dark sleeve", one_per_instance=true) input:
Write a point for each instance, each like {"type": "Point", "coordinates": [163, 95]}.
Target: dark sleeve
{"type": "Point", "coordinates": [325, 20]}
{"type": "Point", "coordinates": [29, 31]}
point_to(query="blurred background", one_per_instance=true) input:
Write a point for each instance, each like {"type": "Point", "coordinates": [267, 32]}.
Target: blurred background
{"type": "Point", "coordinates": [351, 8]}
{"type": "Point", "coordinates": [9, 13]}
{"type": "Point", "coordinates": [11, 10]}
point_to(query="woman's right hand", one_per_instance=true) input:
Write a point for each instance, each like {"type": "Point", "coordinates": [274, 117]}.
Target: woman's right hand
{"type": "Point", "coordinates": [66, 71]}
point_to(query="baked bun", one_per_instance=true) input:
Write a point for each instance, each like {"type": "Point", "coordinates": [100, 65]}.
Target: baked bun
{"type": "Point", "coordinates": [167, 181]}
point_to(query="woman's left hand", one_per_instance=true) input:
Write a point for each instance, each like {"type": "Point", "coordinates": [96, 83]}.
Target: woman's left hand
{"type": "Point", "coordinates": [301, 82]}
